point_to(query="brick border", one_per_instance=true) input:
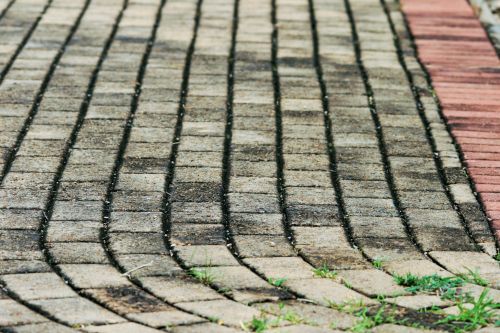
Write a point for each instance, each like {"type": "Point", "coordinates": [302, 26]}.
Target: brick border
{"type": "Point", "coordinates": [465, 72]}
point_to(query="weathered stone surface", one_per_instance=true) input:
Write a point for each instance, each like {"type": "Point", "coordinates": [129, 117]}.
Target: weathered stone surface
{"type": "Point", "coordinates": [190, 165]}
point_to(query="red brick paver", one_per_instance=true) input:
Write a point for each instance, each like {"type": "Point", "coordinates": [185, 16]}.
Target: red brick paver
{"type": "Point", "coordinates": [465, 71]}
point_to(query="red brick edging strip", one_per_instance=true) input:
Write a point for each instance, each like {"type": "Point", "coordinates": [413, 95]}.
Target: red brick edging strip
{"type": "Point", "coordinates": [465, 72]}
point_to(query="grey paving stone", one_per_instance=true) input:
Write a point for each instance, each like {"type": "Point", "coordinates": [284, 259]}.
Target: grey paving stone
{"type": "Point", "coordinates": [19, 244]}
{"type": "Point", "coordinates": [234, 312]}
{"type": "Point", "coordinates": [170, 318]}
{"type": "Point", "coordinates": [206, 327]}
{"type": "Point", "coordinates": [263, 246]}
{"type": "Point", "coordinates": [23, 266]}
{"type": "Point", "coordinates": [314, 215]}
{"type": "Point", "coordinates": [42, 328]}
{"type": "Point", "coordinates": [197, 234]}
{"type": "Point", "coordinates": [93, 275]}
{"type": "Point", "coordinates": [179, 289]}
{"type": "Point", "coordinates": [19, 219]}
{"type": "Point", "coordinates": [13, 313]}
{"type": "Point", "coordinates": [122, 327]}
{"type": "Point", "coordinates": [77, 311]}
{"type": "Point", "coordinates": [128, 242]}
{"type": "Point", "coordinates": [38, 286]}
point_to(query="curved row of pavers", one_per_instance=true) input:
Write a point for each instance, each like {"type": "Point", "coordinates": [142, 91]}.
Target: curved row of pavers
{"type": "Point", "coordinates": [446, 156]}
{"type": "Point", "coordinates": [148, 151]}
{"type": "Point", "coordinates": [101, 318]}
{"type": "Point", "coordinates": [15, 24]}
{"type": "Point", "coordinates": [454, 256]}
{"type": "Point", "coordinates": [464, 69]}
{"type": "Point", "coordinates": [56, 259]}
{"type": "Point", "coordinates": [330, 243]}
{"type": "Point", "coordinates": [124, 291]}
{"type": "Point", "coordinates": [452, 173]}
{"type": "Point", "coordinates": [53, 31]}
{"type": "Point", "coordinates": [18, 24]}
{"type": "Point", "coordinates": [60, 302]}
{"type": "Point", "coordinates": [206, 259]}
{"type": "Point", "coordinates": [18, 19]}
{"type": "Point", "coordinates": [245, 204]}
{"type": "Point", "coordinates": [69, 272]}
{"type": "Point", "coordinates": [419, 192]}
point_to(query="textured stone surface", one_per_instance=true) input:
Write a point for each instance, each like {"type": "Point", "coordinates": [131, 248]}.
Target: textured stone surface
{"type": "Point", "coordinates": [190, 166]}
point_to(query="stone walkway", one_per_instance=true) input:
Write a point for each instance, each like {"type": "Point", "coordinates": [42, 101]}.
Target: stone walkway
{"type": "Point", "coordinates": [226, 166]}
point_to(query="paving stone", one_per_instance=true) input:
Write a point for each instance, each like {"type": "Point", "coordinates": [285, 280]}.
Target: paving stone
{"type": "Point", "coordinates": [372, 282]}
{"type": "Point", "coordinates": [122, 327]}
{"type": "Point", "coordinates": [324, 291]}
{"type": "Point", "coordinates": [244, 285]}
{"type": "Point", "coordinates": [376, 226]}
{"type": "Point", "coordinates": [252, 224]}
{"type": "Point", "coordinates": [303, 328]}
{"type": "Point", "coordinates": [179, 289]}
{"type": "Point", "coordinates": [207, 255]}
{"type": "Point", "coordinates": [73, 231]}
{"type": "Point", "coordinates": [263, 246]}
{"type": "Point", "coordinates": [77, 211]}
{"type": "Point", "coordinates": [282, 267]}
{"type": "Point", "coordinates": [72, 253]}
{"type": "Point", "coordinates": [13, 313]}
{"type": "Point", "coordinates": [314, 215]}
{"type": "Point", "coordinates": [206, 327]}
{"type": "Point", "coordinates": [390, 328]}
{"type": "Point", "coordinates": [165, 318]}
{"type": "Point", "coordinates": [196, 212]}
{"type": "Point", "coordinates": [77, 311]}
{"type": "Point", "coordinates": [314, 314]}
{"type": "Point", "coordinates": [23, 266]}
{"type": "Point", "coordinates": [19, 219]}
{"type": "Point", "coordinates": [231, 313]}
{"type": "Point", "coordinates": [253, 184]}
{"type": "Point", "coordinates": [195, 234]}
{"type": "Point", "coordinates": [128, 242]}
{"type": "Point", "coordinates": [42, 328]}
{"type": "Point", "coordinates": [419, 301]}
{"type": "Point", "coordinates": [93, 276]}
{"type": "Point", "coordinates": [253, 203]}
{"type": "Point", "coordinates": [19, 244]}
{"type": "Point", "coordinates": [389, 249]}
{"type": "Point", "coordinates": [38, 286]}
{"type": "Point", "coordinates": [150, 265]}
{"type": "Point", "coordinates": [461, 262]}
{"type": "Point", "coordinates": [418, 267]}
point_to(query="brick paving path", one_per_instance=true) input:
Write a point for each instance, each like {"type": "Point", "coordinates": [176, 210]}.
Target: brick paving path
{"type": "Point", "coordinates": [186, 165]}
